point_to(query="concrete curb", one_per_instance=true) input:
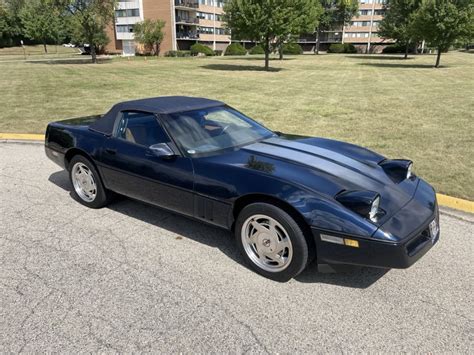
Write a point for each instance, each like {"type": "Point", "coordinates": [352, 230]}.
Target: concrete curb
{"type": "Point", "coordinates": [443, 200]}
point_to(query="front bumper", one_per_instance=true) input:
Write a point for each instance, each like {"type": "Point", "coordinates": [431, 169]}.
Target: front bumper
{"type": "Point", "coordinates": [410, 238]}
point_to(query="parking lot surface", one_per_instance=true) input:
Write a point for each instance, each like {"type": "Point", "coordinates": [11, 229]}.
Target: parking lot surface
{"type": "Point", "coordinates": [131, 277]}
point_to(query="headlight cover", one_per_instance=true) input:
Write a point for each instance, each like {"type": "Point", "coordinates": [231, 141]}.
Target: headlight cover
{"type": "Point", "coordinates": [365, 203]}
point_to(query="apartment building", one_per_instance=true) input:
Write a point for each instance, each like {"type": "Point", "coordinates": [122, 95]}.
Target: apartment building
{"type": "Point", "coordinates": [191, 21]}
{"type": "Point", "coordinates": [362, 30]}
{"type": "Point", "coordinates": [187, 21]}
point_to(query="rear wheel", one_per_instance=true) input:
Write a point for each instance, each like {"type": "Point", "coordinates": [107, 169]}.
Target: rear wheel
{"type": "Point", "coordinates": [271, 241]}
{"type": "Point", "coordinates": [87, 185]}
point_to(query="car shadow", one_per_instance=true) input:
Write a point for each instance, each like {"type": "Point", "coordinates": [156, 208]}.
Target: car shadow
{"type": "Point", "coordinates": [233, 67]}
{"type": "Point", "coordinates": [345, 276]}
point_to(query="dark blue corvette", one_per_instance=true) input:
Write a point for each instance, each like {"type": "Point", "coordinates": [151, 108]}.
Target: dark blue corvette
{"type": "Point", "coordinates": [288, 201]}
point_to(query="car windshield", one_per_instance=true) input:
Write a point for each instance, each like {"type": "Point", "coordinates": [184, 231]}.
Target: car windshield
{"type": "Point", "coordinates": [213, 129]}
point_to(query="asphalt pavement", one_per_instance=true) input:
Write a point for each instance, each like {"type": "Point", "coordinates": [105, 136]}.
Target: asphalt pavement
{"type": "Point", "coordinates": [131, 277]}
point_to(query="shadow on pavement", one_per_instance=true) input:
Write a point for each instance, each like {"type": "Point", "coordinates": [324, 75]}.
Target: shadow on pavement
{"type": "Point", "coordinates": [400, 65]}
{"type": "Point", "coordinates": [343, 275]}
{"type": "Point", "coordinates": [232, 67]}
{"type": "Point", "coordinates": [379, 57]}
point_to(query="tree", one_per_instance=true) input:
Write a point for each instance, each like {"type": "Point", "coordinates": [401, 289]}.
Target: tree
{"type": "Point", "coordinates": [335, 14]}
{"type": "Point", "coordinates": [10, 24]}
{"type": "Point", "coordinates": [303, 18]}
{"type": "Point", "coordinates": [41, 22]}
{"type": "Point", "coordinates": [90, 19]}
{"type": "Point", "coordinates": [443, 22]}
{"type": "Point", "coordinates": [150, 34]}
{"type": "Point", "coordinates": [398, 22]}
{"type": "Point", "coordinates": [269, 21]}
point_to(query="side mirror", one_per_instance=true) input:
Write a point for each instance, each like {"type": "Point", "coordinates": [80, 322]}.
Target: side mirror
{"type": "Point", "coordinates": [162, 150]}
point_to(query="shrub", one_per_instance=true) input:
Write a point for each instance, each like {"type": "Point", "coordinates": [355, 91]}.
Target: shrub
{"type": "Point", "coordinates": [200, 48]}
{"type": "Point", "coordinates": [292, 48]}
{"type": "Point", "coordinates": [349, 48]}
{"type": "Point", "coordinates": [398, 48]}
{"type": "Point", "coordinates": [218, 52]}
{"type": "Point", "coordinates": [394, 48]}
{"type": "Point", "coordinates": [258, 49]}
{"type": "Point", "coordinates": [178, 54]}
{"type": "Point", "coordinates": [235, 49]}
{"type": "Point", "coordinates": [342, 48]}
{"type": "Point", "coordinates": [336, 48]}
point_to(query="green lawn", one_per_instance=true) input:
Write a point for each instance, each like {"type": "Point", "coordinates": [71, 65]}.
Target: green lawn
{"type": "Point", "coordinates": [401, 108]}
{"type": "Point", "coordinates": [36, 52]}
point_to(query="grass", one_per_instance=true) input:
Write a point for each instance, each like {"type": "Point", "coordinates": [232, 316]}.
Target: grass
{"type": "Point", "coordinates": [401, 108]}
{"type": "Point", "coordinates": [36, 52]}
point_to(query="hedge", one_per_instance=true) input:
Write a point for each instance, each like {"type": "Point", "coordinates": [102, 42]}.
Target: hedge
{"type": "Point", "coordinates": [342, 48]}
{"type": "Point", "coordinates": [200, 48]}
{"type": "Point", "coordinates": [235, 49]}
{"type": "Point", "coordinates": [178, 54]}
{"type": "Point", "coordinates": [258, 49]}
{"type": "Point", "coordinates": [292, 48]}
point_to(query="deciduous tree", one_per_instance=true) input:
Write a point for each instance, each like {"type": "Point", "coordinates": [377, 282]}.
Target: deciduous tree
{"type": "Point", "coordinates": [150, 34]}
{"type": "Point", "coordinates": [90, 19]}
{"type": "Point", "coordinates": [42, 22]}
{"type": "Point", "coordinates": [335, 13]}
{"type": "Point", "coordinates": [398, 22]}
{"type": "Point", "coordinates": [270, 21]}
{"type": "Point", "coordinates": [443, 22]}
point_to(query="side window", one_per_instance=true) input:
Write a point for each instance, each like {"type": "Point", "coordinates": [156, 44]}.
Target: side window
{"type": "Point", "coordinates": [140, 128]}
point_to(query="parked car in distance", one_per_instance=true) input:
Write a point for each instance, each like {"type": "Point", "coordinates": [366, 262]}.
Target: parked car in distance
{"type": "Point", "coordinates": [288, 200]}
{"type": "Point", "coordinates": [69, 45]}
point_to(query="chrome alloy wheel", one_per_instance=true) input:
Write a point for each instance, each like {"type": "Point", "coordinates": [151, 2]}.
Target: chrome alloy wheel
{"type": "Point", "coordinates": [83, 181]}
{"type": "Point", "coordinates": [266, 243]}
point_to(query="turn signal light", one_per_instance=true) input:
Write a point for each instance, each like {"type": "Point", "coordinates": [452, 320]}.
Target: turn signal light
{"type": "Point", "coordinates": [351, 243]}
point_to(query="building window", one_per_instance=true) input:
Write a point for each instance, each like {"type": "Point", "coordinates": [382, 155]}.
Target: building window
{"type": "Point", "coordinates": [127, 13]}
{"type": "Point", "coordinates": [210, 30]}
{"type": "Point", "coordinates": [209, 16]}
{"type": "Point", "coordinates": [365, 12]}
{"type": "Point", "coordinates": [356, 35]}
{"type": "Point", "coordinates": [379, 12]}
{"type": "Point", "coordinates": [124, 28]}
{"type": "Point", "coordinates": [218, 3]}
{"type": "Point", "coordinates": [360, 23]}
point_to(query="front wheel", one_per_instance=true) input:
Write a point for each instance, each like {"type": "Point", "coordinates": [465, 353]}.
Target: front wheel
{"type": "Point", "coordinates": [87, 185]}
{"type": "Point", "coordinates": [271, 241]}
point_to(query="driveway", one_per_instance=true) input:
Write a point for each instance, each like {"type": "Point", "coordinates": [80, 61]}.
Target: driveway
{"type": "Point", "coordinates": [131, 277]}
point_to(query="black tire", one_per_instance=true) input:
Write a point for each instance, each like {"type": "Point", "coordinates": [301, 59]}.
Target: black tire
{"type": "Point", "coordinates": [102, 196]}
{"type": "Point", "coordinates": [300, 250]}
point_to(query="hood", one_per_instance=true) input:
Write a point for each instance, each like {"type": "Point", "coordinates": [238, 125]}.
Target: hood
{"type": "Point", "coordinates": [329, 167]}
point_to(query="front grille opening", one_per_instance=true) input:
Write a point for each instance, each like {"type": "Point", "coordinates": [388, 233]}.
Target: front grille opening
{"type": "Point", "coordinates": [418, 242]}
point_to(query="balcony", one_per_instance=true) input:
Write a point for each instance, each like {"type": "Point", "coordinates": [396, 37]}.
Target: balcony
{"type": "Point", "coordinates": [187, 35]}
{"type": "Point", "coordinates": [127, 20]}
{"type": "Point", "coordinates": [186, 4]}
{"type": "Point", "coordinates": [125, 35]}
{"type": "Point", "coordinates": [125, 5]}
{"type": "Point", "coordinates": [186, 21]}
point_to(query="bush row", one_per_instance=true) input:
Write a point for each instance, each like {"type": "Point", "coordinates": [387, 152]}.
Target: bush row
{"type": "Point", "coordinates": [232, 49]}
{"type": "Point", "coordinates": [342, 48]}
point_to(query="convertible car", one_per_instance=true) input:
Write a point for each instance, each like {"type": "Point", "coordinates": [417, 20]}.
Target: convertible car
{"type": "Point", "coordinates": [288, 200]}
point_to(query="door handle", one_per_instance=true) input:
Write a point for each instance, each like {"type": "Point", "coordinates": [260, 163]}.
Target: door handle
{"type": "Point", "coordinates": [110, 151]}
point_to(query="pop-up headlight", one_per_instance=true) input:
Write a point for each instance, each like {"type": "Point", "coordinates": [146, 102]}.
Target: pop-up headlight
{"type": "Point", "coordinates": [365, 203]}
{"type": "Point", "coordinates": [398, 169]}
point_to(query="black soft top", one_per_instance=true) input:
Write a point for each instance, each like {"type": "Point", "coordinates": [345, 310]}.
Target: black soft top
{"type": "Point", "coordinates": [159, 105]}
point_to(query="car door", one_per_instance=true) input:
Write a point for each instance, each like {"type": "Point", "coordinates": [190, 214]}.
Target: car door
{"type": "Point", "coordinates": [130, 167]}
